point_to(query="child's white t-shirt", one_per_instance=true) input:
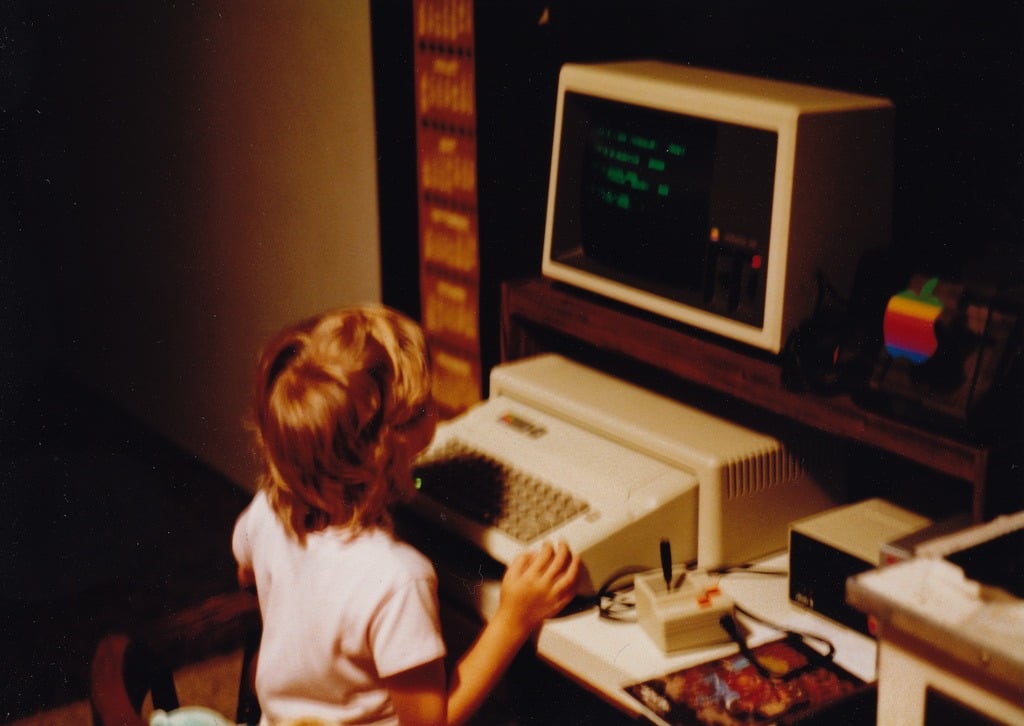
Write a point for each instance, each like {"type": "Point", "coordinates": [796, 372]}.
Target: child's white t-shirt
{"type": "Point", "coordinates": [339, 614]}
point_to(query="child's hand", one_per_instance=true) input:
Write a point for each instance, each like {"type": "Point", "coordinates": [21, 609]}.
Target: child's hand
{"type": "Point", "coordinates": [538, 584]}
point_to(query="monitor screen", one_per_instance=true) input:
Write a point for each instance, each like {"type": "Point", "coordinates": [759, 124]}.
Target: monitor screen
{"type": "Point", "coordinates": [636, 196]}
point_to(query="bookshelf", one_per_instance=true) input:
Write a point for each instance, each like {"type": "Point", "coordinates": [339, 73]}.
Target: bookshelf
{"type": "Point", "coordinates": [482, 75]}
{"type": "Point", "coordinates": [449, 278]}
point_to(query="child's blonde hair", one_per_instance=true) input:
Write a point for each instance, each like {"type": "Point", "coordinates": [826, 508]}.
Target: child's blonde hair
{"type": "Point", "coordinates": [335, 397]}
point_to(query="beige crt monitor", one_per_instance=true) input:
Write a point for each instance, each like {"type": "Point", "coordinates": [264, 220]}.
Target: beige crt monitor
{"type": "Point", "coordinates": [647, 466]}
{"type": "Point", "coordinates": [716, 199]}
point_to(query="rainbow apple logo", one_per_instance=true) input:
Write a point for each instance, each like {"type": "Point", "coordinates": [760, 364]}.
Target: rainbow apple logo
{"type": "Point", "coordinates": [909, 323]}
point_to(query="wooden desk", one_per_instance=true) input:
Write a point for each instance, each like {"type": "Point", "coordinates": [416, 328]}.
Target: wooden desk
{"type": "Point", "coordinates": [535, 312]}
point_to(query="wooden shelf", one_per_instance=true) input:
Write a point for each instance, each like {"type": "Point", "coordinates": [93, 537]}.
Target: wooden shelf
{"type": "Point", "coordinates": [536, 308]}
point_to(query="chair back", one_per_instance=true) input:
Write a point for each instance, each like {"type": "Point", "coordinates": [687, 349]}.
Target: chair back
{"type": "Point", "coordinates": [128, 666]}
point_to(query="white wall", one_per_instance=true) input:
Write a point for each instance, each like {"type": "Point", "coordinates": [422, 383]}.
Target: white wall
{"type": "Point", "coordinates": [232, 167]}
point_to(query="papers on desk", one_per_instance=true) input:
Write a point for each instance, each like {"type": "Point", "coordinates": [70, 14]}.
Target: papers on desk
{"type": "Point", "coordinates": [933, 601]}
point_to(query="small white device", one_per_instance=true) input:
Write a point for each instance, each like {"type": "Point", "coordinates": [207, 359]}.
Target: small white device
{"type": "Point", "coordinates": [687, 615]}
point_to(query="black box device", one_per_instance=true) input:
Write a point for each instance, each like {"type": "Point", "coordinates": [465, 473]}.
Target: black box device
{"type": "Point", "coordinates": [827, 548]}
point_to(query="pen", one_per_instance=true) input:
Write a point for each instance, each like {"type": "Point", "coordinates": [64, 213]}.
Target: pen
{"type": "Point", "coordinates": [666, 563]}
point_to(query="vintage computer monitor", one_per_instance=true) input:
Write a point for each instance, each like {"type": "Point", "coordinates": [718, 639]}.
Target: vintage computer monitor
{"type": "Point", "coordinates": [713, 198]}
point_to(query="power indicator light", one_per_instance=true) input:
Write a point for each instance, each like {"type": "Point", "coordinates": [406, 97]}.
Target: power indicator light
{"type": "Point", "coordinates": [756, 261]}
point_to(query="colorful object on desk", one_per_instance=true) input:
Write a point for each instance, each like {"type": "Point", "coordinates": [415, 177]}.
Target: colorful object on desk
{"type": "Point", "coordinates": [909, 323]}
{"type": "Point", "coordinates": [733, 689]}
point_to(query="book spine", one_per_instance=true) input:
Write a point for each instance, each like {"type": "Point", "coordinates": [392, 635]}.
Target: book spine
{"type": "Point", "coordinates": [445, 77]}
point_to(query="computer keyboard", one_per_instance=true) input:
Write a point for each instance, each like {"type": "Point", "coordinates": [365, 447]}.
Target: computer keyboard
{"type": "Point", "coordinates": [493, 493]}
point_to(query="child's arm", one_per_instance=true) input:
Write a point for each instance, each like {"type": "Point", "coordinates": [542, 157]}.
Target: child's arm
{"type": "Point", "coordinates": [536, 586]}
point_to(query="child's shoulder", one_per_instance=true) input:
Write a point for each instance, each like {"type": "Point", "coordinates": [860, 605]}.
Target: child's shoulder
{"type": "Point", "coordinates": [391, 554]}
{"type": "Point", "coordinates": [385, 543]}
{"type": "Point", "coordinates": [258, 508]}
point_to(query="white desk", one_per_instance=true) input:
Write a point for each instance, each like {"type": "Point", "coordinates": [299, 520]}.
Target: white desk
{"type": "Point", "coordinates": [605, 655]}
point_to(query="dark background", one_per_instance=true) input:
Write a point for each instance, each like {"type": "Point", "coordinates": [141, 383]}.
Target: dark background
{"type": "Point", "coordinates": [953, 70]}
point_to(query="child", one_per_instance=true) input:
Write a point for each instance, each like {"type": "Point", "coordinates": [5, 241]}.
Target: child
{"type": "Point", "coordinates": [351, 622]}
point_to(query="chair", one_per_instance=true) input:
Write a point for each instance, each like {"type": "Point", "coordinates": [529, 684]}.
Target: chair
{"type": "Point", "coordinates": [127, 666]}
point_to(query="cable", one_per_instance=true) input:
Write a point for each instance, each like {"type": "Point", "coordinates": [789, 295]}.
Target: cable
{"type": "Point", "coordinates": [615, 596]}
{"type": "Point", "coordinates": [803, 635]}
{"type": "Point", "coordinates": [814, 661]}
{"type": "Point", "coordinates": [748, 568]}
